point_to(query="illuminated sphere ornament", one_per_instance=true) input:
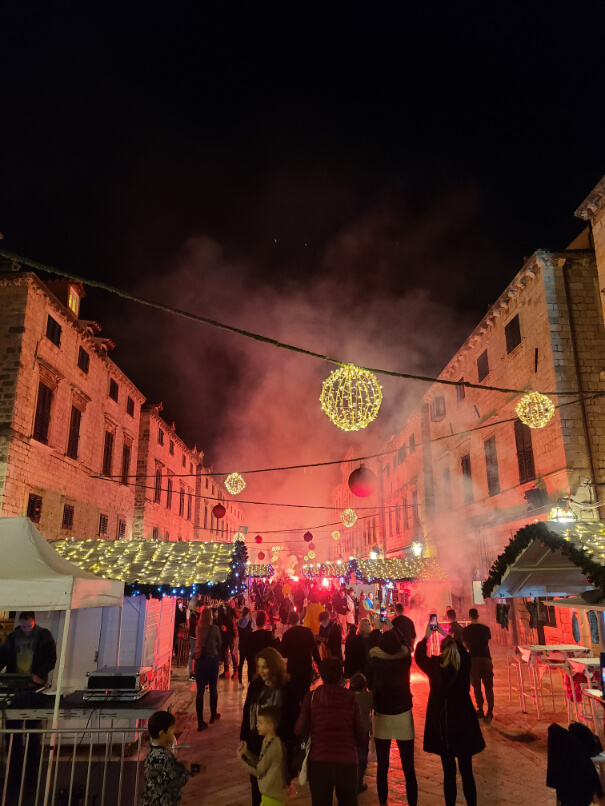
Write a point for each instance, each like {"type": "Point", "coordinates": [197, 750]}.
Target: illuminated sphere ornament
{"type": "Point", "coordinates": [348, 517]}
{"type": "Point", "coordinates": [535, 410]}
{"type": "Point", "coordinates": [234, 483]}
{"type": "Point", "coordinates": [307, 537]}
{"type": "Point", "coordinates": [219, 511]}
{"type": "Point", "coordinates": [351, 397]}
{"type": "Point", "coordinates": [258, 539]}
{"type": "Point", "coordinates": [311, 546]}
{"type": "Point", "coordinates": [311, 555]}
{"type": "Point", "coordinates": [306, 558]}
{"type": "Point", "coordinates": [362, 482]}
{"type": "Point", "coordinates": [336, 535]}
{"type": "Point", "coordinates": [261, 555]}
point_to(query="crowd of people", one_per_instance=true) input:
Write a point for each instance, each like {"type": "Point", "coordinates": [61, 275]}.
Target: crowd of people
{"type": "Point", "coordinates": [298, 635]}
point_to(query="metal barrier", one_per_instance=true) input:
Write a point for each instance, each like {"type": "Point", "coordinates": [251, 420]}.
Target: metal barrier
{"type": "Point", "coordinates": [42, 767]}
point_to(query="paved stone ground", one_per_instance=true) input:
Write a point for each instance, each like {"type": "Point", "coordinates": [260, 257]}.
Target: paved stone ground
{"type": "Point", "coordinates": [511, 771]}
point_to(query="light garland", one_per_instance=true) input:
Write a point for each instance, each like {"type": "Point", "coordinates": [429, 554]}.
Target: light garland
{"type": "Point", "coordinates": [348, 517]}
{"type": "Point", "coordinates": [535, 410]}
{"type": "Point", "coordinates": [351, 397]}
{"type": "Point", "coordinates": [234, 483]}
{"type": "Point", "coordinates": [311, 555]}
{"type": "Point", "coordinates": [336, 534]}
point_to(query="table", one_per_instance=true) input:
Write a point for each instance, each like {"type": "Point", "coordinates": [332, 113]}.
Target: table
{"type": "Point", "coordinates": [586, 666]}
{"type": "Point", "coordinates": [563, 651]}
{"type": "Point", "coordinates": [75, 706]}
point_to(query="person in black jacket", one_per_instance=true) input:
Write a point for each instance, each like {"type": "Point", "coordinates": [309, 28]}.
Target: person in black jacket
{"type": "Point", "coordinates": [299, 647]}
{"type": "Point", "coordinates": [452, 727]}
{"type": "Point", "coordinates": [357, 647]}
{"type": "Point", "coordinates": [258, 640]}
{"type": "Point", "coordinates": [225, 618]}
{"type": "Point", "coordinates": [245, 625]}
{"type": "Point", "coordinates": [389, 674]}
{"type": "Point", "coordinates": [330, 636]}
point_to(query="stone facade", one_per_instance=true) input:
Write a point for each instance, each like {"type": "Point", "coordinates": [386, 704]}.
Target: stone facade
{"type": "Point", "coordinates": [592, 210]}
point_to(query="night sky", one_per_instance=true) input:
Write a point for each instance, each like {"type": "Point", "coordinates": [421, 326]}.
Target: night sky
{"type": "Point", "coordinates": [363, 181]}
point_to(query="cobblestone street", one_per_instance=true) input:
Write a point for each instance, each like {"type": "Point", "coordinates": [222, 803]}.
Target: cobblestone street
{"type": "Point", "coordinates": [511, 771]}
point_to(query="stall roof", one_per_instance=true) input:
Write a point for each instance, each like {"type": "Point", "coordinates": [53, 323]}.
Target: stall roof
{"type": "Point", "coordinates": [391, 570]}
{"type": "Point", "coordinates": [549, 559]}
{"type": "Point", "coordinates": [149, 562]}
{"type": "Point", "coordinates": [34, 577]}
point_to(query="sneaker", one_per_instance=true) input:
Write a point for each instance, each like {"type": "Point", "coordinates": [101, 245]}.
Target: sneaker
{"type": "Point", "coordinates": [214, 718]}
{"type": "Point", "coordinates": [202, 726]}
{"type": "Point", "coordinates": [480, 713]}
{"type": "Point", "coordinates": [192, 677]}
{"type": "Point", "coordinates": [223, 675]}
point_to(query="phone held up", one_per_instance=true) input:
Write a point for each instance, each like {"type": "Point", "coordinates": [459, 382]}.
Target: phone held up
{"type": "Point", "coordinates": [433, 621]}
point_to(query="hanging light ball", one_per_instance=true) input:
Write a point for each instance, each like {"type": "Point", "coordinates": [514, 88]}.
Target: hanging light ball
{"type": "Point", "coordinates": [351, 397]}
{"type": "Point", "coordinates": [234, 483]}
{"type": "Point", "coordinates": [258, 539]}
{"type": "Point", "coordinates": [306, 558]}
{"type": "Point", "coordinates": [362, 482]}
{"type": "Point", "coordinates": [336, 534]}
{"type": "Point", "coordinates": [311, 545]}
{"type": "Point", "coordinates": [219, 511]}
{"type": "Point", "coordinates": [307, 537]}
{"type": "Point", "coordinates": [348, 517]}
{"type": "Point", "coordinates": [535, 410]}
{"type": "Point", "coordinates": [274, 558]}
{"type": "Point", "coordinates": [261, 555]}
{"type": "Point", "coordinates": [311, 555]}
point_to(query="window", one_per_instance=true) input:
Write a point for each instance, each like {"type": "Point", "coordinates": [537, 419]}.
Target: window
{"type": "Point", "coordinates": [42, 419]}
{"type": "Point", "coordinates": [182, 502]}
{"type": "Point", "coordinates": [191, 468]}
{"type": "Point", "coordinates": [169, 494]}
{"type": "Point", "coordinates": [73, 301]}
{"type": "Point", "coordinates": [206, 482]}
{"type": "Point", "coordinates": [107, 454]}
{"type": "Point", "coordinates": [482, 366]}
{"type": "Point", "coordinates": [103, 523]}
{"type": "Point", "coordinates": [157, 493]}
{"type": "Point", "coordinates": [53, 331]}
{"type": "Point", "coordinates": [491, 465]}
{"type": "Point", "coordinates": [167, 536]}
{"type": "Point", "coordinates": [512, 331]}
{"type": "Point", "coordinates": [205, 517]}
{"type": "Point", "coordinates": [114, 390]}
{"type": "Point", "coordinates": [412, 443]}
{"type": "Point", "coordinates": [525, 452]}
{"type": "Point", "coordinates": [130, 406]}
{"type": "Point", "coordinates": [171, 448]}
{"type": "Point", "coordinates": [83, 360]}
{"type": "Point", "coordinates": [121, 533]}
{"type": "Point", "coordinates": [183, 461]}
{"type": "Point", "coordinates": [460, 390]}
{"type": "Point", "coordinates": [467, 479]}
{"type": "Point", "coordinates": [188, 506]}
{"type": "Point", "coordinates": [126, 450]}
{"type": "Point", "coordinates": [155, 533]}
{"type": "Point", "coordinates": [34, 507]}
{"type": "Point", "coordinates": [160, 437]}
{"type": "Point", "coordinates": [446, 501]}
{"type": "Point", "coordinates": [415, 519]}
{"type": "Point", "coordinates": [74, 433]}
{"type": "Point", "coordinates": [68, 517]}
{"type": "Point", "coordinates": [402, 453]}
{"type": "Point", "coordinates": [438, 409]}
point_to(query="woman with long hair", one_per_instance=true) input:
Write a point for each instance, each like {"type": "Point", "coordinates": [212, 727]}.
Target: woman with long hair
{"type": "Point", "coordinates": [205, 665]}
{"type": "Point", "coordinates": [452, 728]}
{"type": "Point", "coordinates": [271, 686]}
{"type": "Point", "coordinates": [389, 675]}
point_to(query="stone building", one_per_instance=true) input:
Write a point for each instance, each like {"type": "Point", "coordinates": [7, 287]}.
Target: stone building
{"type": "Point", "coordinates": [592, 210]}
{"type": "Point", "coordinates": [69, 417]}
{"type": "Point", "coordinates": [175, 493]}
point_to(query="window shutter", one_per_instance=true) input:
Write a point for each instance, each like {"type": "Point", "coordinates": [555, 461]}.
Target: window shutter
{"type": "Point", "coordinates": [125, 463]}
{"type": "Point", "coordinates": [107, 453]}
{"type": "Point", "coordinates": [158, 487]}
{"type": "Point", "coordinates": [42, 419]}
{"type": "Point", "coordinates": [467, 479]}
{"type": "Point", "coordinates": [34, 507]}
{"type": "Point", "coordinates": [491, 464]}
{"type": "Point", "coordinates": [525, 452]}
{"type": "Point", "coordinates": [74, 433]}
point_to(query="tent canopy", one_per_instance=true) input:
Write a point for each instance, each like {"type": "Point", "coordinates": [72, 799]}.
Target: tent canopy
{"type": "Point", "coordinates": [34, 577]}
{"type": "Point", "coordinates": [550, 559]}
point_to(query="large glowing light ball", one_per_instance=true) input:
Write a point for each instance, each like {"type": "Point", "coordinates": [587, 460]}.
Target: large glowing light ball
{"type": "Point", "coordinates": [219, 511]}
{"type": "Point", "coordinates": [234, 483]}
{"type": "Point", "coordinates": [535, 410]}
{"type": "Point", "coordinates": [351, 397]}
{"type": "Point", "coordinates": [307, 537]}
{"type": "Point", "coordinates": [336, 534]}
{"type": "Point", "coordinates": [348, 517]}
{"type": "Point", "coordinates": [311, 555]}
{"type": "Point", "coordinates": [311, 545]}
{"type": "Point", "coordinates": [258, 539]}
{"type": "Point", "coordinates": [362, 482]}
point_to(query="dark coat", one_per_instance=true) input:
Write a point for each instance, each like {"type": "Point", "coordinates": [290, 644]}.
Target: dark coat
{"type": "Point", "coordinates": [287, 699]}
{"type": "Point", "coordinates": [389, 677]}
{"type": "Point", "coordinates": [45, 653]}
{"type": "Point", "coordinates": [332, 717]}
{"type": "Point", "coordinates": [298, 645]}
{"type": "Point", "coordinates": [570, 769]}
{"type": "Point", "coordinates": [452, 725]}
{"type": "Point", "coordinates": [255, 643]}
{"type": "Point", "coordinates": [356, 655]}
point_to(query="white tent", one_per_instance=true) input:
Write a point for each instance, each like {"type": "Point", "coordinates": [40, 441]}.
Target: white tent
{"type": "Point", "coordinates": [34, 577]}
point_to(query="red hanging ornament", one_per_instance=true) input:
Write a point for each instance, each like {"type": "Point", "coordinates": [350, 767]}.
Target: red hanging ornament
{"type": "Point", "coordinates": [307, 537]}
{"type": "Point", "coordinates": [590, 580]}
{"type": "Point", "coordinates": [258, 539]}
{"type": "Point", "coordinates": [219, 511]}
{"type": "Point", "coordinates": [261, 555]}
{"type": "Point", "coordinates": [362, 482]}
{"type": "Point", "coordinates": [311, 546]}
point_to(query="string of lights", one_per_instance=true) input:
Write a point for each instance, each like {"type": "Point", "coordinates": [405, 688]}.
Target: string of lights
{"type": "Point", "coordinates": [33, 264]}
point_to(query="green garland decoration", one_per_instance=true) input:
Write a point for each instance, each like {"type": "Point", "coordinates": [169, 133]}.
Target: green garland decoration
{"type": "Point", "coordinates": [593, 571]}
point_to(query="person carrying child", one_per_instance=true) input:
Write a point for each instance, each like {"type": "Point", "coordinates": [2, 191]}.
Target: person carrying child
{"type": "Point", "coordinates": [359, 686]}
{"type": "Point", "coordinates": [270, 766]}
{"type": "Point", "coordinates": [165, 777]}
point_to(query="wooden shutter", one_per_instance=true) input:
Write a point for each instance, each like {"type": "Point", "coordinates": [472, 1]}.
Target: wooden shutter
{"type": "Point", "coordinates": [42, 419]}
{"type": "Point", "coordinates": [525, 452]}
{"type": "Point", "coordinates": [491, 464]}
{"type": "Point", "coordinates": [34, 507]}
{"type": "Point", "coordinates": [158, 487]}
{"type": "Point", "coordinates": [74, 433]}
{"type": "Point", "coordinates": [107, 453]}
{"type": "Point", "coordinates": [467, 479]}
{"type": "Point", "coordinates": [125, 462]}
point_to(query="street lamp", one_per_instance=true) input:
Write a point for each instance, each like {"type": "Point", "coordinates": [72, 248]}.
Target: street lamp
{"type": "Point", "coordinates": [417, 548]}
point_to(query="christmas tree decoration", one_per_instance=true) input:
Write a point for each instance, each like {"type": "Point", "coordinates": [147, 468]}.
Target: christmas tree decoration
{"type": "Point", "coordinates": [348, 517]}
{"type": "Point", "coordinates": [219, 511]}
{"type": "Point", "coordinates": [311, 555]}
{"type": "Point", "coordinates": [261, 555]}
{"type": "Point", "coordinates": [335, 535]}
{"type": "Point", "coordinates": [239, 535]}
{"type": "Point", "coordinates": [535, 410]}
{"type": "Point", "coordinates": [351, 397]}
{"type": "Point", "coordinates": [234, 483]}
{"type": "Point", "coordinates": [258, 539]}
{"type": "Point", "coordinates": [362, 482]}
{"type": "Point", "coordinates": [307, 537]}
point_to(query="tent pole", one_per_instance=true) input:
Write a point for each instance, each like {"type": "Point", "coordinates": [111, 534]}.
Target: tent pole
{"type": "Point", "coordinates": [55, 721]}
